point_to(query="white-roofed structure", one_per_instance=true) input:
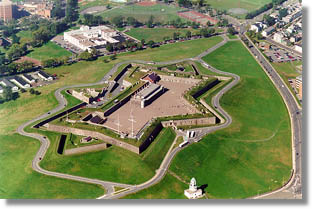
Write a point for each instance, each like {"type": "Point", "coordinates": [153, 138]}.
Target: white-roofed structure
{"type": "Point", "coordinates": [87, 37]}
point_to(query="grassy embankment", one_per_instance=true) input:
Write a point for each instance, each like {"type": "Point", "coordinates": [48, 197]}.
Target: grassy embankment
{"type": "Point", "coordinates": [29, 106]}
{"type": "Point", "coordinates": [252, 155]}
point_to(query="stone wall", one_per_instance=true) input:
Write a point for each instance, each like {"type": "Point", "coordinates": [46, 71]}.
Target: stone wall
{"type": "Point", "coordinates": [93, 134]}
{"type": "Point", "coordinates": [80, 96]}
{"type": "Point", "coordinates": [179, 79]}
{"type": "Point", "coordinates": [85, 149]}
{"type": "Point", "coordinates": [190, 122]}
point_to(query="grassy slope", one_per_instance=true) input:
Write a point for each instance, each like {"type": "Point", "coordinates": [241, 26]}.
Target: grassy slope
{"type": "Point", "coordinates": [166, 189]}
{"type": "Point", "coordinates": [18, 180]}
{"type": "Point", "coordinates": [19, 111]}
{"type": "Point", "coordinates": [113, 164]}
{"type": "Point", "coordinates": [48, 50]}
{"type": "Point", "coordinates": [156, 34]}
{"type": "Point", "coordinates": [232, 156]}
{"type": "Point", "coordinates": [228, 160]}
{"type": "Point", "coordinates": [143, 13]}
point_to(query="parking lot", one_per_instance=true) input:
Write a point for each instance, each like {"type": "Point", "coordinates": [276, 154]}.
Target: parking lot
{"type": "Point", "coordinates": [280, 55]}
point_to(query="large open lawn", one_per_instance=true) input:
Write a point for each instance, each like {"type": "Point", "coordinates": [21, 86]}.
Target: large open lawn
{"type": "Point", "coordinates": [29, 106]}
{"type": "Point", "coordinates": [249, 5]}
{"type": "Point", "coordinates": [161, 12]}
{"type": "Point", "coordinates": [252, 155]}
{"type": "Point", "coordinates": [18, 180]}
{"type": "Point", "coordinates": [47, 51]}
{"type": "Point", "coordinates": [168, 188]}
{"type": "Point", "coordinates": [113, 164]}
{"type": "Point", "coordinates": [157, 34]}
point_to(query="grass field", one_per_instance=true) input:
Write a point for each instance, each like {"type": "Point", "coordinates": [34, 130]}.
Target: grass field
{"type": "Point", "coordinates": [252, 155]}
{"type": "Point", "coordinates": [168, 188]}
{"type": "Point", "coordinates": [29, 106]}
{"type": "Point", "coordinates": [92, 3]}
{"type": "Point", "coordinates": [47, 51]}
{"type": "Point", "coordinates": [113, 164]}
{"type": "Point", "coordinates": [161, 13]}
{"type": "Point", "coordinates": [157, 34]}
{"type": "Point", "coordinates": [18, 180]}
{"type": "Point", "coordinates": [249, 5]}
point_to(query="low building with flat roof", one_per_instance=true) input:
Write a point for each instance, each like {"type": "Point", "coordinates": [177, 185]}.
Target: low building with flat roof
{"type": "Point", "coordinates": [7, 83]}
{"type": "Point", "coordinates": [28, 78]}
{"type": "Point", "coordinates": [44, 75]}
{"type": "Point", "coordinates": [20, 82]}
{"type": "Point", "coordinates": [87, 37]}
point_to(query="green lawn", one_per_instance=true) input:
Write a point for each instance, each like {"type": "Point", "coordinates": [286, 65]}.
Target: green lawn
{"type": "Point", "coordinates": [29, 106]}
{"type": "Point", "coordinates": [113, 164]}
{"type": "Point", "coordinates": [18, 180]}
{"type": "Point", "coordinates": [232, 36]}
{"type": "Point", "coordinates": [24, 34]}
{"type": "Point", "coordinates": [249, 5]}
{"type": "Point", "coordinates": [157, 34]}
{"type": "Point", "coordinates": [92, 3]}
{"type": "Point", "coordinates": [47, 51]}
{"type": "Point", "coordinates": [254, 153]}
{"type": "Point", "coordinates": [161, 12]}
{"type": "Point", "coordinates": [168, 188]}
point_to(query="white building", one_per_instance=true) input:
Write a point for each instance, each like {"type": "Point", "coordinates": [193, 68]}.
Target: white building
{"type": "Point", "coordinates": [193, 192]}
{"type": "Point", "coordinates": [278, 37]}
{"type": "Point", "coordinates": [87, 37]}
{"type": "Point", "coordinates": [268, 31]}
{"type": "Point", "coordinates": [298, 48]}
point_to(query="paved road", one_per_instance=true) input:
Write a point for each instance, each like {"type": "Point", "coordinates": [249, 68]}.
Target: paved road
{"type": "Point", "coordinates": [283, 47]}
{"type": "Point", "coordinates": [170, 155]}
{"type": "Point", "coordinates": [295, 112]}
{"type": "Point", "coordinates": [61, 105]}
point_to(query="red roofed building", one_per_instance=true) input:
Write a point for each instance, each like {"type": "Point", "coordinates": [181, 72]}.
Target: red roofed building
{"type": "Point", "coordinates": [153, 78]}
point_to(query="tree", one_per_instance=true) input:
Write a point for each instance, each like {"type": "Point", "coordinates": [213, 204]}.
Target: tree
{"type": "Point", "coordinates": [113, 57]}
{"type": "Point", "coordinates": [269, 20]}
{"type": "Point", "coordinates": [86, 56]}
{"type": "Point", "coordinates": [132, 21]}
{"type": "Point", "coordinates": [150, 21]}
{"type": "Point", "coordinates": [2, 59]}
{"type": "Point", "coordinates": [118, 21]}
{"type": "Point", "coordinates": [16, 51]}
{"type": "Point", "coordinates": [57, 10]}
{"type": "Point", "coordinates": [151, 43]}
{"type": "Point", "coordinates": [231, 30]}
{"type": "Point", "coordinates": [109, 47]}
{"type": "Point", "coordinates": [175, 35]}
{"type": "Point", "coordinates": [15, 39]}
{"type": "Point", "coordinates": [188, 34]}
{"type": "Point", "coordinates": [283, 13]}
{"type": "Point", "coordinates": [185, 3]}
{"type": "Point", "coordinates": [8, 94]}
{"type": "Point", "coordinates": [71, 13]}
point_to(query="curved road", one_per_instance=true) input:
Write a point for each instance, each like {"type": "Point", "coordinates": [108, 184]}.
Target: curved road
{"type": "Point", "coordinates": [170, 155]}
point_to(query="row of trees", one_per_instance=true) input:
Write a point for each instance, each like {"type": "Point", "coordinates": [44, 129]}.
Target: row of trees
{"type": "Point", "coordinates": [14, 68]}
{"type": "Point", "coordinates": [264, 8]}
{"type": "Point", "coordinates": [8, 95]}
